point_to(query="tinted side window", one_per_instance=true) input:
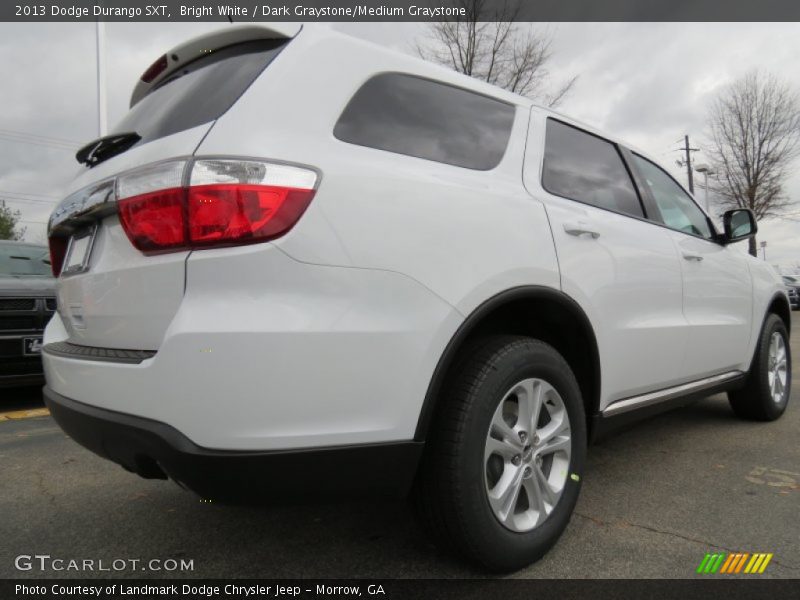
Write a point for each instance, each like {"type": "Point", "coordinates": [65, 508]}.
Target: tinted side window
{"type": "Point", "coordinates": [422, 118]}
{"type": "Point", "coordinates": [583, 167]}
{"type": "Point", "coordinates": [677, 209]}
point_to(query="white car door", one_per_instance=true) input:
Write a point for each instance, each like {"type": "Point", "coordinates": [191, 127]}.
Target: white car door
{"type": "Point", "coordinates": [717, 287]}
{"type": "Point", "coordinates": [622, 269]}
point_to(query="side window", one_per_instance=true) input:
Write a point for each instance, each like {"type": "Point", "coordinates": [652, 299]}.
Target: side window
{"type": "Point", "coordinates": [583, 167]}
{"type": "Point", "coordinates": [418, 117]}
{"type": "Point", "coordinates": [677, 209]}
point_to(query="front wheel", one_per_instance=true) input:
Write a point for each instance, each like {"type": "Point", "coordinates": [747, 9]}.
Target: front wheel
{"type": "Point", "coordinates": [502, 469]}
{"type": "Point", "coordinates": [765, 394]}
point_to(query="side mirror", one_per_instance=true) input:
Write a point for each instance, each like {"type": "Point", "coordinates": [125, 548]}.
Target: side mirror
{"type": "Point", "coordinates": [740, 224]}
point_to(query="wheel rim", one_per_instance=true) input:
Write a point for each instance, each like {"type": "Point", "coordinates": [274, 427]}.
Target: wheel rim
{"type": "Point", "coordinates": [777, 369]}
{"type": "Point", "coordinates": [527, 455]}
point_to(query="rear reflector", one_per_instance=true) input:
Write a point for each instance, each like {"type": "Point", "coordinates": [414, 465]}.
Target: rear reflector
{"type": "Point", "coordinates": [227, 202]}
{"type": "Point", "coordinates": [58, 251]}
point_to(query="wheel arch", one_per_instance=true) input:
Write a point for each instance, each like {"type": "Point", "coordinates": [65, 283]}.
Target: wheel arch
{"type": "Point", "coordinates": [530, 310]}
{"type": "Point", "coordinates": [780, 306]}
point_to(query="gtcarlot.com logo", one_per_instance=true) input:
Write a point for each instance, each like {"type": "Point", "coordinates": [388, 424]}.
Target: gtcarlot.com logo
{"type": "Point", "coordinates": [734, 563]}
{"type": "Point", "coordinates": [45, 562]}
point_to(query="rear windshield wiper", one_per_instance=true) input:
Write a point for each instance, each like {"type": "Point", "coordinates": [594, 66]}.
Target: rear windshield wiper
{"type": "Point", "coordinates": [105, 147]}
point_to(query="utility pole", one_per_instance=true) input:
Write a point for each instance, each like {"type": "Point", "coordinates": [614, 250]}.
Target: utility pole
{"type": "Point", "coordinates": [688, 160]}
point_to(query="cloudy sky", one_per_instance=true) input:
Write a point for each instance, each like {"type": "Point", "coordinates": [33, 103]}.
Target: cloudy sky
{"type": "Point", "coordinates": [648, 83]}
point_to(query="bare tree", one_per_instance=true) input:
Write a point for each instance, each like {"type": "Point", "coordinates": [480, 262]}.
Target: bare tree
{"type": "Point", "coordinates": [488, 44]}
{"type": "Point", "coordinates": [755, 130]}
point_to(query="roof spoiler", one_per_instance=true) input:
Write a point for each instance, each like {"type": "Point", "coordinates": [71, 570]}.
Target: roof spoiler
{"type": "Point", "coordinates": [185, 53]}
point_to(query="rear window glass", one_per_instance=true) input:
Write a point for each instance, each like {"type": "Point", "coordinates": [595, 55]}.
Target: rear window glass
{"type": "Point", "coordinates": [583, 167]}
{"type": "Point", "coordinates": [200, 92]}
{"type": "Point", "coordinates": [417, 117]}
{"type": "Point", "coordinates": [19, 260]}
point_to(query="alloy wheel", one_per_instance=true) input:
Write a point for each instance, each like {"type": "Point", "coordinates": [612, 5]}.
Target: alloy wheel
{"type": "Point", "coordinates": [527, 454]}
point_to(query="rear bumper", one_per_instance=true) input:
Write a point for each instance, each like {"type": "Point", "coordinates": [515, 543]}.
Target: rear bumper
{"type": "Point", "coordinates": [157, 450]}
{"type": "Point", "coordinates": [266, 353]}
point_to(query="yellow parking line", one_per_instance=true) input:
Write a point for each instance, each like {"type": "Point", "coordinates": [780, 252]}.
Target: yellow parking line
{"type": "Point", "coordinates": [24, 414]}
{"type": "Point", "coordinates": [765, 563]}
{"type": "Point", "coordinates": [757, 564]}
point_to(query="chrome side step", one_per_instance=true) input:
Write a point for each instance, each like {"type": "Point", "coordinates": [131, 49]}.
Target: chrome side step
{"type": "Point", "coordinates": [635, 402]}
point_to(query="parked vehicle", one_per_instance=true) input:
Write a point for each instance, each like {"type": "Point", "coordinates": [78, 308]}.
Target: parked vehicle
{"type": "Point", "coordinates": [276, 282]}
{"type": "Point", "coordinates": [27, 301]}
{"type": "Point", "coordinates": [793, 290]}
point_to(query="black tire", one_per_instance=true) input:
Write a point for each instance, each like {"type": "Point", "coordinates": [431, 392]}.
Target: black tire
{"type": "Point", "coordinates": [450, 493]}
{"type": "Point", "coordinates": [754, 401]}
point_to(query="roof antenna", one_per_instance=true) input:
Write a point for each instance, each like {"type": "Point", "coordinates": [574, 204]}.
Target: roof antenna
{"type": "Point", "coordinates": [230, 19]}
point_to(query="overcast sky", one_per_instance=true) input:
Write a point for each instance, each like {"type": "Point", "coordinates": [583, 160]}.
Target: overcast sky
{"type": "Point", "coordinates": [647, 83]}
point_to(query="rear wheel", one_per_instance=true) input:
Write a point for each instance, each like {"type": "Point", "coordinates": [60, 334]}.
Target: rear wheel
{"type": "Point", "coordinates": [766, 392]}
{"type": "Point", "coordinates": [503, 464]}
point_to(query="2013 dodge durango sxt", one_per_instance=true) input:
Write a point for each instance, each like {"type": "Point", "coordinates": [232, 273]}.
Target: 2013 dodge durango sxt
{"type": "Point", "coordinates": [273, 280]}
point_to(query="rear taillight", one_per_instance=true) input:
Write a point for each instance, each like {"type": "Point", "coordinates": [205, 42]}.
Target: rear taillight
{"type": "Point", "coordinates": [225, 203]}
{"type": "Point", "coordinates": [242, 213]}
{"type": "Point", "coordinates": [155, 221]}
{"type": "Point", "coordinates": [58, 251]}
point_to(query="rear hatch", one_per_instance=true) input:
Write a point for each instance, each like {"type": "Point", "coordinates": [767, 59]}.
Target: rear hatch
{"type": "Point", "coordinates": [110, 294]}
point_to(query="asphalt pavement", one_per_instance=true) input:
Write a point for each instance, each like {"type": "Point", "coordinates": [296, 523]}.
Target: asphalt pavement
{"type": "Point", "coordinates": [656, 498]}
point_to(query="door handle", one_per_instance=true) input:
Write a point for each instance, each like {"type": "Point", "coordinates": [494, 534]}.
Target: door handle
{"type": "Point", "coordinates": [694, 257]}
{"type": "Point", "coordinates": [579, 228]}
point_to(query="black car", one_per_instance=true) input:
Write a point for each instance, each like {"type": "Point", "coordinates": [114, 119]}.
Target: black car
{"type": "Point", "coordinates": [793, 289]}
{"type": "Point", "coordinates": [27, 301]}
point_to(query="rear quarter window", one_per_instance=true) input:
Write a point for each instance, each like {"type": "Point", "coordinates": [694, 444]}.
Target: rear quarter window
{"type": "Point", "coordinates": [418, 117]}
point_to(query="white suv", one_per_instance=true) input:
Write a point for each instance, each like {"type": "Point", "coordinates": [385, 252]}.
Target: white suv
{"type": "Point", "coordinates": [307, 265]}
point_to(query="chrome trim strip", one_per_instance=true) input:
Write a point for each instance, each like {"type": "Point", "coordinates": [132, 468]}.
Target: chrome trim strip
{"type": "Point", "coordinates": [635, 402]}
{"type": "Point", "coordinates": [84, 201]}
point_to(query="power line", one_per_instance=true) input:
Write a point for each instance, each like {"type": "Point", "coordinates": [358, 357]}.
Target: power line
{"type": "Point", "coordinates": [10, 198]}
{"type": "Point", "coordinates": [34, 194]}
{"type": "Point", "coordinates": [49, 199]}
{"type": "Point", "coordinates": [41, 137]}
{"type": "Point", "coordinates": [38, 142]}
{"type": "Point", "coordinates": [12, 135]}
